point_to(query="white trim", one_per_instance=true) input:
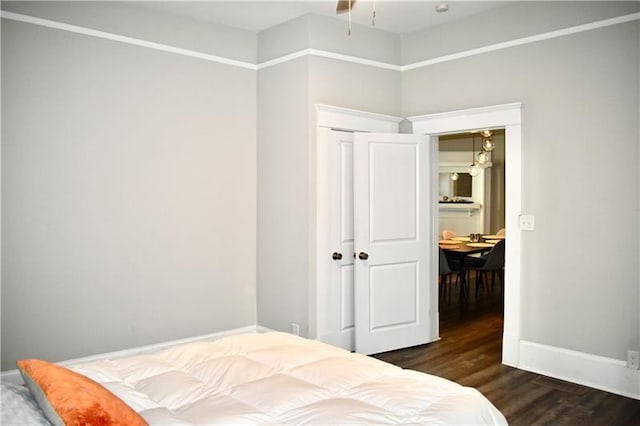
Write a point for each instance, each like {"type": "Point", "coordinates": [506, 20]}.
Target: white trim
{"type": "Point", "coordinates": [13, 376]}
{"type": "Point", "coordinates": [317, 52]}
{"type": "Point", "coordinates": [353, 120]}
{"type": "Point", "coordinates": [282, 59]}
{"type": "Point", "coordinates": [330, 55]}
{"type": "Point", "coordinates": [467, 119]}
{"type": "Point", "coordinates": [355, 59]}
{"type": "Point", "coordinates": [525, 40]}
{"type": "Point", "coordinates": [497, 116]}
{"type": "Point", "coordinates": [513, 245]}
{"type": "Point", "coordinates": [598, 372]}
{"type": "Point", "coordinates": [125, 39]}
{"type": "Point", "coordinates": [263, 329]}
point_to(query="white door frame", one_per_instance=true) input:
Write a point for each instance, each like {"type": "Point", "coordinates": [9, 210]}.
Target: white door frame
{"type": "Point", "coordinates": [509, 117]}
{"type": "Point", "coordinates": [506, 116]}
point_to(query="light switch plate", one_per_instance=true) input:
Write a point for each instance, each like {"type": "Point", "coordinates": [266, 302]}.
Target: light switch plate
{"type": "Point", "coordinates": [527, 222]}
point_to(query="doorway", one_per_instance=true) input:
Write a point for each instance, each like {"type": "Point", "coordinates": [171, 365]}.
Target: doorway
{"type": "Point", "coordinates": [470, 201]}
{"type": "Point", "coordinates": [471, 204]}
{"type": "Point", "coordinates": [499, 116]}
{"type": "Point", "coordinates": [431, 125]}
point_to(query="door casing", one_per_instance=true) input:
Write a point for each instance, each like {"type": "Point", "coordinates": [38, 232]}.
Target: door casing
{"type": "Point", "coordinates": [509, 117]}
{"type": "Point", "coordinates": [506, 116]}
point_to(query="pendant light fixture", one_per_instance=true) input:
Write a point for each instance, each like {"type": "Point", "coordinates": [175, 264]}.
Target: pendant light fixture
{"type": "Point", "coordinates": [487, 144]}
{"type": "Point", "coordinates": [473, 167]}
{"type": "Point", "coordinates": [482, 158]}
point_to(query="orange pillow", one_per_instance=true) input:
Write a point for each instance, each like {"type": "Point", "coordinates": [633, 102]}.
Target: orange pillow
{"type": "Point", "coordinates": [69, 398]}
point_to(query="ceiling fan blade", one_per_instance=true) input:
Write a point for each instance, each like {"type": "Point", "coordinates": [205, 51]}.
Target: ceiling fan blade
{"type": "Point", "coordinates": [343, 5]}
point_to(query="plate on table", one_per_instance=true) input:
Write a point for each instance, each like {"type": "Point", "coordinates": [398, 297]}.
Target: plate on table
{"type": "Point", "coordinates": [461, 239]}
{"type": "Point", "coordinates": [494, 237]}
{"type": "Point", "coordinates": [492, 241]}
{"type": "Point", "coordinates": [449, 242]}
{"type": "Point", "coordinates": [480, 245]}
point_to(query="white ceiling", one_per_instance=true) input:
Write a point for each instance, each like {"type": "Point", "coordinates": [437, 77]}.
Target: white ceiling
{"type": "Point", "coordinates": [396, 16]}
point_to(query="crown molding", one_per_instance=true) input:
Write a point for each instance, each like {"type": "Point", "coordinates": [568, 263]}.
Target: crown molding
{"type": "Point", "coordinates": [525, 40]}
{"type": "Point", "coordinates": [317, 52]}
{"type": "Point", "coordinates": [330, 55]}
{"type": "Point", "coordinates": [124, 39]}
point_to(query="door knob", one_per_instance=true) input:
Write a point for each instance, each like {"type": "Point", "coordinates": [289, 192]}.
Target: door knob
{"type": "Point", "coordinates": [363, 256]}
{"type": "Point", "coordinates": [336, 256]}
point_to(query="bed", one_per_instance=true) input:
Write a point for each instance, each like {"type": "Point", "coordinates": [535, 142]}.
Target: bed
{"type": "Point", "coordinates": [277, 378]}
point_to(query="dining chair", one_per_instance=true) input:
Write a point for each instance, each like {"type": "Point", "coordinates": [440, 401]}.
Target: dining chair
{"type": "Point", "coordinates": [448, 234]}
{"type": "Point", "coordinates": [446, 270]}
{"type": "Point", "coordinates": [493, 264]}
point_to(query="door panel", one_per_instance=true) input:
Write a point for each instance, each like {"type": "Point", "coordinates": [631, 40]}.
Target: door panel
{"type": "Point", "coordinates": [393, 195]}
{"type": "Point", "coordinates": [344, 142]}
{"type": "Point", "coordinates": [335, 277]}
{"type": "Point", "coordinates": [347, 320]}
{"type": "Point", "coordinates": [392, 287]}
{"type": "Point", "coordinates": [393, 238]}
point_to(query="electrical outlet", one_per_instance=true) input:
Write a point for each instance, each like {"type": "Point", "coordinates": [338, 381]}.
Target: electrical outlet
{"type": "Point", "coordinates": [295, 329]}
{"type": "Point", "coordinates": [633, 359]}
{"type": "Point", "coordinates": [526, 222]}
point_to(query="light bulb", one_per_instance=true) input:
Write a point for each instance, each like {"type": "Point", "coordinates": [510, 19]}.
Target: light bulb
{"type": "Point", "coordinates": [486, 133]}
{"type": "Point", "coordinates": [482, 158]}
{"type": "Point", "coordinates": [488, 145]}
{"type": "Point", "coordinates": [454, 176]}
{"type": "Point", "coordinates": [473, 170]}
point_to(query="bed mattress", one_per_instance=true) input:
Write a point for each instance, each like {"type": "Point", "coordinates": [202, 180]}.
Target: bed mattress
{"type": "Point", "coordinates": [283, 379]}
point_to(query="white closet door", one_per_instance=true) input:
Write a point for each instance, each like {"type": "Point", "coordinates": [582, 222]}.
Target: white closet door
{"type": "Point", "coordinates": [392, 229]}
{"type": "Point", "coordinates": [335, 240]}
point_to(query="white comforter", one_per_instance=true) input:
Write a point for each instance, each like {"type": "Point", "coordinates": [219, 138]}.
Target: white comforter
{"type": "Point", "coordinates": [283, 379]}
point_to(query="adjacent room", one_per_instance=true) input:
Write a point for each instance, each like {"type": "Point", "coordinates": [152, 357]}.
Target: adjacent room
{"type": "Point", "coordinates": [230, 196]}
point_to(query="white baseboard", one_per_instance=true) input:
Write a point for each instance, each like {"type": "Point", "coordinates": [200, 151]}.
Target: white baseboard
{"type": "Point", "coordinates": [14, 376]}
{"type": "Point", "coordinates": [607, 374]}
{"type": "Point", "coordinates": [262, 329]}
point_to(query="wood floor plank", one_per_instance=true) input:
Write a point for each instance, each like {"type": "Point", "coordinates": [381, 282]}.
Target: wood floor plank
{"type": "Point", "coordinates": [470, 353]}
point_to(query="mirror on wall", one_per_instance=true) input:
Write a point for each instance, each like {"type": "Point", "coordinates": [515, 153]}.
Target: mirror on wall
{"type": "Point", "coordinates": [459, 188]}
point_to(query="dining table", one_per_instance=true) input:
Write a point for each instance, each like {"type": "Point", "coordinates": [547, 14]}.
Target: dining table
{"type": "Point", "coordinates": [460, 248]}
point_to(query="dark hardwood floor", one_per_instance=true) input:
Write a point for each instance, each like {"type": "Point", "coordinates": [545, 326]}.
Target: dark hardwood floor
{"type": "Point", "coordinates": [469, 353]}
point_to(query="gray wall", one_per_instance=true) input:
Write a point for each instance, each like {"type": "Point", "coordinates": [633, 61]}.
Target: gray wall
{"type": "Point", "coordinates": [283, 191]}
{"type": "Point", "coordinates": [128, 195]}
{"type": "Point", "coordinates": [329, 34]}
{"type": "Point", "coordinates": [580, 277]}
{"type": "Point", "coordinates": [129, 189]}
{"type": "Point", "coordinates": [287, 95]}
